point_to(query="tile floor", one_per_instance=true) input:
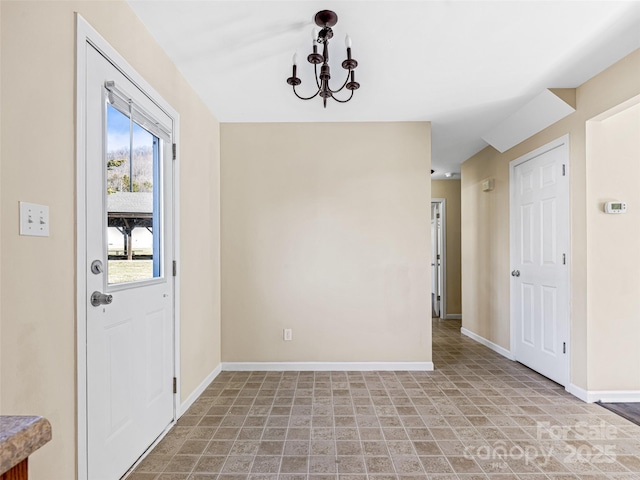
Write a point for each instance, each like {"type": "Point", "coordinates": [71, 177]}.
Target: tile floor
{"type": "Point", "coordinates": [477, 416]}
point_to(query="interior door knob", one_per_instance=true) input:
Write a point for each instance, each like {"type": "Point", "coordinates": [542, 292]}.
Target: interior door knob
{"type": "Point", "coordinates": [515, 273]}
{"type": "Point", "coordinates": [98, 298]}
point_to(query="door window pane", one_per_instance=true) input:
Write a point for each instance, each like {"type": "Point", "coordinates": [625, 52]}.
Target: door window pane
{"type": "Point", "coordinates": [132, 163]}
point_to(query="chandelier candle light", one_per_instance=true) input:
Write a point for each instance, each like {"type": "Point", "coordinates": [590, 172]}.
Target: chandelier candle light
{"type": "Point", "coordinates": [326, 19]}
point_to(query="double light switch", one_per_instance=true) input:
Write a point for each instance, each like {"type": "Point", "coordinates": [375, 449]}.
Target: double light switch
{"type": "Point", "coordinates": [34, 219]}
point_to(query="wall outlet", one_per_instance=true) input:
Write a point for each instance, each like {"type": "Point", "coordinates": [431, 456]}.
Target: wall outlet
{"type": "Point", "coordinates": [287, 334]}
{"type": "Point", "coordinates": [34, 219]}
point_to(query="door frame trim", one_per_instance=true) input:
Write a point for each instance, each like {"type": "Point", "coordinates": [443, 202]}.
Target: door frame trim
{"type": "Point", "coordinates": [86, 35]}
{"type": "Point", "coordinates": [443, 260]}
{"type": "Point", "coordinates": [561, 142]}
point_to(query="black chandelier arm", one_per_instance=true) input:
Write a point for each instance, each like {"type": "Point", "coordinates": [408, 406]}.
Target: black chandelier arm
{"type": "Point", "coordinates": [308, 98]}
{"type": "Point", "coordinates": [343, 101]}
{"type": "Point", "coordinates": [315, 71]}
{"type": "Point", "coordinates": [343, 85]}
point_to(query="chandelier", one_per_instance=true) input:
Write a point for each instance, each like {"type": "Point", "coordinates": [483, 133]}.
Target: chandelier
{"type": "Point", "coordinates": [326, 19]}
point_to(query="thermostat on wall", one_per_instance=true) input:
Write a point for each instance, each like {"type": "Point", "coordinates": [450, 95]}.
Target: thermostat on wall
{"type": "Point", "coordinates": [615, 207]}
{"type": "Point", "coordinates": [488, 185]}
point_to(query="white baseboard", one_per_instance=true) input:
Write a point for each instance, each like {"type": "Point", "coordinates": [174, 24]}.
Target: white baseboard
{"type": "Point", "coordinates": [325, 366]}
{"type": "Point", "coordinates": [487, 343]}
{"type": "Point", "coordinates": [579, 392]}
{"type": "Point", "coordinates": [606, 396]}
{"type": "Point", "coordinates": [199, 389]}
{"type": "Point", "coordinates": [617, 396]}
{"type": "Point", "coordinates": [453, 316]}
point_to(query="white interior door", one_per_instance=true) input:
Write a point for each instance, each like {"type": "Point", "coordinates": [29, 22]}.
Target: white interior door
{"type": "Point", "coordinates": [435, 281]}
{"type": "Point", "coordinates": [130, 366]}
{"type": "Point", "coordinates": [539, 255]}
{"type": "Point", "coordinates": [437, 258]}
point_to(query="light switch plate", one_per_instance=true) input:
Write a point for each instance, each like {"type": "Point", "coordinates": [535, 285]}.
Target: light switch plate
{"type": "Point", "coordinates": [34, 219]}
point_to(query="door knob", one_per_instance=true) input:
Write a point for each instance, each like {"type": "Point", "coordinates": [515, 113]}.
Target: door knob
{"type": "Point", "coordinates": [515, 273]}
{"type": "Point", "coordinates": [98, 299]}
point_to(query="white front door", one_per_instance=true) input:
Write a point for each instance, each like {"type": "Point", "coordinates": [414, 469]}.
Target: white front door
{"type": "Point", "coordinates": [130, 292]}
{"type": "Point", "coordinates": [539, 260]}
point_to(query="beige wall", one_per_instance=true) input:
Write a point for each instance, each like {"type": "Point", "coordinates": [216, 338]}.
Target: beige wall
{"type": "Point", "coordinates": [485, 234]}
{"type": "Point", "coordinates": [37, 372]}
{"type": "Point", "coordinates": [325, 230]}
{"type": "Point", "coordinates": [613, 269]}
{"type": "Point", "coordinates": [485, 248]}
{"type": "Point", "coordinates": [450, 191]}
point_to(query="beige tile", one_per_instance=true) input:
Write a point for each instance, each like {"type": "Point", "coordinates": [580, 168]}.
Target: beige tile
{"type": "Point", "coordinates": [346, 448]}
{"type": "Point", "coordinates": [296, 447]}
{"type": "Point", "coordinates": [226, 433]}
{"type": "Point", "coordinates": [193, 447]}
{"type": "Point", "coordinates": [239, 464]}
{"type": "Point", "coordinates": [322, 433]}
{"type": "Point", "coordinates": [377, 465]}
{"type": "Point", "coordinates": [202, 433]}
{"type": "Point", "coordinates": [346, 434]}
{"type": "Point", "coordinates": [426, 448]}
{"type": "Point", "coordinates": [436, 464]}
{"type": "Point", "coordinates": [407, 464]}
{"type": "Point", "coordinates": [632, 462]}
{"type": "Point", "coordinates": [415, 433]}
{"type": "Point", "coordinates": [142, 476]}
{"type": "Point", "coordinates": [181, 463]}
{"type": "Point", "coordinates": [168, 446]}
{"type": "Point", "coordinates": [400, 448]}
{"type": "Point", "coordinates": [266, 464]}
{"type": "Point", "coordinates": [209, 464]}
{"type": "Point", "coordinates": [219, 447]}
{"type": "Point", "coordinates": [294, 464]}
{"type": "Point", "coordinates": [390, 421]}
{"type": "Point", "coordinates": [391, 434]}
{"type": "Point", "coordinates": [323, 447]}
{"type": "Point", "coordinates": [353, 464]}
{"type": "Point", "coordinates": [464, 465]}
{"type": "Point", "coordinates": [322, 464]}
{"type": "Point", "coordinates": [154, 463]}
{"type": "Point", "coordinates": [173, 476]}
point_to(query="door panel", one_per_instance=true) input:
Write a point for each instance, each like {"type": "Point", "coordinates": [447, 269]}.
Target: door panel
{"type": "Point", "coordinates": [528, 314]}
{"type": "Point", "coordinates": [549, 237]}
{"type": "Point", "coordinates": [540, 291]}
{"type": "Point", "coordinates": [119, 388]}
{"type": "Point", "coordinates": [549, 322]}
{"type": "Point", "coordinates": [155, 353]}
{"type": "Point", "coordinates": [527, 243]}
{"type": "Point", "coordinates": [129, 181]}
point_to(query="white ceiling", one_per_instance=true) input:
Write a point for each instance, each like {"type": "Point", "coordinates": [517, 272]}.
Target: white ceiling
{"type": "Point", "coordinates": [463, 65]}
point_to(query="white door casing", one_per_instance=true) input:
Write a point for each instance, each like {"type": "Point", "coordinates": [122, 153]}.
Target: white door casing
{"type": "Point", "coordinates": [127, 350]}
{"type": "Point", "coordinates": [539, 184]}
